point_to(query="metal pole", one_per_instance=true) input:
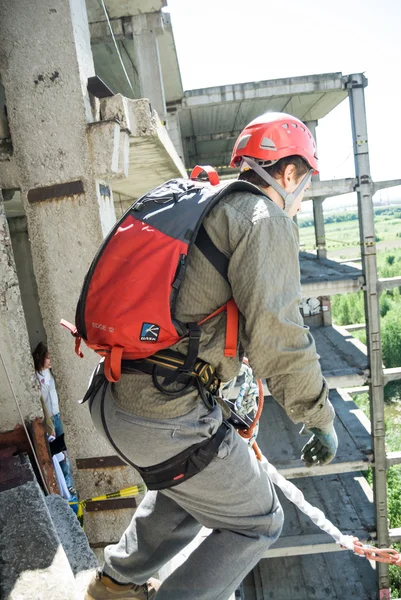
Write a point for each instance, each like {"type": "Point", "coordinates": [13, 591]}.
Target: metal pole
{"type": "Point", "coordinates": [355, 86]}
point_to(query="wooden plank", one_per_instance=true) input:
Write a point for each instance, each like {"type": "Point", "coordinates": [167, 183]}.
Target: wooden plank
{"type": "Point", "coordinates": [354, 391]}
{"type": "Point", "coordinates": [346, 501]}
{"type": "Point", "coordinates": [281, 581]}
{"type": "Point", "coordinates": [16, 437]}
{"type": "Point", "coordinates": [355, 327]}
{"type": "Point", "coordinates": [345, 378]}
{"type": "Point", "coordinates": [280, 441]}
{"type": "Point", "coordinates": [42, 451]}
{"type": "Point", "coordinates": [297, 469]}
{"type": "Point", "coordinates": [316, 577]}
{"type": "Point", "coordinates": [314, 543]}
{"type": "Point", "coordinates": [345, 580]}
{"type": "Point", "coordinates": [353, 419]}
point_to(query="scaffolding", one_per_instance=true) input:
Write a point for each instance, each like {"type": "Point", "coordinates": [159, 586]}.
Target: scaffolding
{"type": "Point", "coordinates": [304, 556]}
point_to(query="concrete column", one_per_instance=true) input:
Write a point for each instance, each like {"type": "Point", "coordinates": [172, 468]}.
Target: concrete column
{"type": "Point", "coordinates": [356, 84]}
{"type": "Point", "coordinates": [16, 365]}
{"type": "Point", "coordinates": [320, 236]}
{"type": "Point", "coordinates": [64, 163]}
{"type": "Point", "coordinates": [145, 28]}
{"type": "Point", "coordinates": [318, 208]}
{"type": "Point", "coordinates": [174, 131]}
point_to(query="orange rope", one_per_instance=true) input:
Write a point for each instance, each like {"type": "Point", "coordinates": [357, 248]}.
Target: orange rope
{"type": "Point", "coordinates": [384, 555]}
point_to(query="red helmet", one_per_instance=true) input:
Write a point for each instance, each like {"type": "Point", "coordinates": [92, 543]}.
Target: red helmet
{"type": "Point", "coordinates": [273, 136]}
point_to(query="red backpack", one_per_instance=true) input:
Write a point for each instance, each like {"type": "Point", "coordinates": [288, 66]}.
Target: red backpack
{"type": "Point", "coordinates": [126, 309]}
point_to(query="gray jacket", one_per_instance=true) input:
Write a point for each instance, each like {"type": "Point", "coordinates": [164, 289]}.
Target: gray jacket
{"type": "Point", "coordinates": [262, 245]}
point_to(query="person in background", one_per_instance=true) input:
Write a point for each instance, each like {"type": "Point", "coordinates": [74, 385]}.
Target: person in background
{"type": "Point", "coordinates": [42, 363]}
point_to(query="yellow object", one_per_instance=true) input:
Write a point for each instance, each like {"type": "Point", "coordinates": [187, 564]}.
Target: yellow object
{"type": "Point", "coordinates": [126, 492]}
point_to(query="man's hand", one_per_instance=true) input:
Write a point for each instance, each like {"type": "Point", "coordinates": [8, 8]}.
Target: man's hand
{"type": "Point", "coordinates": [322, 446]}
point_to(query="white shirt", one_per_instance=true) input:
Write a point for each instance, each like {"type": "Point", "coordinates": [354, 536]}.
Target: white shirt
{"type": "Point", "coordinates": [49, 392]}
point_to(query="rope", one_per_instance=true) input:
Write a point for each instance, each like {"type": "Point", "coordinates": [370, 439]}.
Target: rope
{"type": "Point", "coordinates": [24, 425]}
{"type": "Point", "coordinates": [290, 491]}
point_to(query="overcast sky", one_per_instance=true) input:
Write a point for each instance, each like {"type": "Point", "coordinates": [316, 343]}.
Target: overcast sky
{"type": "Point", "coordinates": [231, 41]}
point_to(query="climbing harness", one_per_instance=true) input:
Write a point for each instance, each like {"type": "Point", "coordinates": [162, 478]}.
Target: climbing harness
{"type": "Point", "coordinates": [290, 491]}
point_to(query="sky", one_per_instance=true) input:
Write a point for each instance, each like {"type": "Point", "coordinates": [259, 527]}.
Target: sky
{"type": "Point", "coordinates": [233, 41]}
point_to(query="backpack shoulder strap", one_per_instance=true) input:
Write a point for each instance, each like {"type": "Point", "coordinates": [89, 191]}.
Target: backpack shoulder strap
{"type": "Point", "coordinates": [217, 258]}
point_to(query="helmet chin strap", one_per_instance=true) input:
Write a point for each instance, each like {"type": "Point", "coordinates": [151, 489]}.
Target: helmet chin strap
{"type": "Point", "coordinates": [288, 197]}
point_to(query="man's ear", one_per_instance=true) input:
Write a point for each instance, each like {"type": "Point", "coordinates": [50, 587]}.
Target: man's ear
{"type": "Point", "coordinates": [289, 174]}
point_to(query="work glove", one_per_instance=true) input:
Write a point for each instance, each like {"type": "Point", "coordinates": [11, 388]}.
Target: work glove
{"type": "Point", "coordinates": [322, 446]}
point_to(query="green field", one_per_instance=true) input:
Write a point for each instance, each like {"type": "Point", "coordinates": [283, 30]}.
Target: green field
{"type": "Point", "coordinates": [342, 238]}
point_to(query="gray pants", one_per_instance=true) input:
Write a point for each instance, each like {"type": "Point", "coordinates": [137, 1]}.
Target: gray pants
{"type": "Point", "coordinates": [232, 496]}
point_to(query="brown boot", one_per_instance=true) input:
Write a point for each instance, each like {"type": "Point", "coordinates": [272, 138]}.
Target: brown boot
{"type": "Point", "coordinates": [102, 587]}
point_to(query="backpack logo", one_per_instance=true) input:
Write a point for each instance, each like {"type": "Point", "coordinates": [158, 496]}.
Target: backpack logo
{"type": "Point", "coordinates": [149, 332]}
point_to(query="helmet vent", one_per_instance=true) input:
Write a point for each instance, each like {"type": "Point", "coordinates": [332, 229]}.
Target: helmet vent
{"type": "Point", "coordinates": [294, 125]}
{"type": "Point", "coordinates": [285, 125]}
{"type": "Point", "coordinates": [243, 142]}
{"type": "Point", "coordinates": [268, 144]}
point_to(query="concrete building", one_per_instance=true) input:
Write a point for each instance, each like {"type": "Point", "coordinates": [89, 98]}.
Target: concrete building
{"type": "Point", "coordinates": [91, 120]}
{"type": "Point", "coordinates": [65, 140]}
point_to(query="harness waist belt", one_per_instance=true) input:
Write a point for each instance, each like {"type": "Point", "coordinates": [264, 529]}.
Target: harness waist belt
{"type": "Point", "coordinates": [184, 465]}
{"type": "Point", "coordinates": [171, 366]}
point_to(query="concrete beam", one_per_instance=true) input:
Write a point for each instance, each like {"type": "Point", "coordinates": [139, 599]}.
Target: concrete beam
{"type": "Point", "coordinates": [329, 188]}
{"type": "Point", "coordinates": [395, 535]}
{"type": "Point", "coordinates": [388, 283]}
{"type": "Point", "coordinates": [393, 374]}
{"type": "Point", "coordinates": [117, 8]}
{"type": "Point", "coordinates": [276, 87]}
{"type": "Point", "coordinates": [329, 288]}
{"type": "Point", "coordinates": [393, 458]}
{"type": "Point", "coordinates": [152, 156]}
{"type": "Point", "coordinates": [100, 31]}
{"type": "Point", "coordinates": [211, 137]}
{"type": "Point", "coordinates": [356, 327]}
{"type": "Point", "coordinates": [382, 185]}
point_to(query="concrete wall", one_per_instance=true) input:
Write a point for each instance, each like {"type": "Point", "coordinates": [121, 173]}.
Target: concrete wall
{"type": "Point", "coordinates": [45, 61]}
{"type": "Point", "coordinates": [16, 366]}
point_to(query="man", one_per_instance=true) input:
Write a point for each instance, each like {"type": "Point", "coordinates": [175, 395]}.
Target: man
{"type": "Point", "coordinates": [232, 495]}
